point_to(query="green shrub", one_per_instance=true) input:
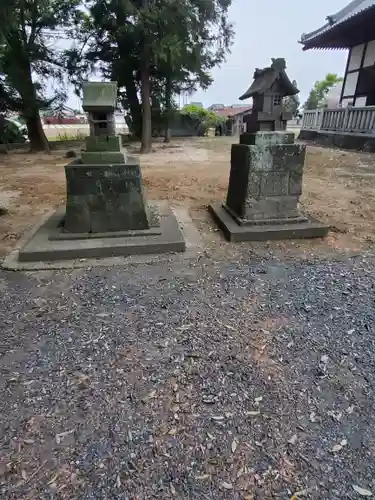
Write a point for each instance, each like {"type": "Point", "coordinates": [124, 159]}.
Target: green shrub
{"type": "Point", "coordinates": [11, 132]}
{"type": "Point", "coordinates": [202, 119]}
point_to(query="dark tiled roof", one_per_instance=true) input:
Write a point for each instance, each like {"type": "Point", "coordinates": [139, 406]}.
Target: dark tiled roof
{"type": "Point", "coordinates": [352, 9]}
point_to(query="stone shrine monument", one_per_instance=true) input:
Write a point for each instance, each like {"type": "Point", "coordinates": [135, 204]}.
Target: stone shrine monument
{"type": "Point", "coordinates": [265, 181]}
{"type": "Point", "coordinates": [104, 188]}
{"type": "Point", "coordinates": [106, 214]}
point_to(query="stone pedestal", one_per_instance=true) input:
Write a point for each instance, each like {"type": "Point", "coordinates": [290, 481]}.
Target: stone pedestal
{"type": "Point", "coordinates": [106, 214]}
{"type": "Point", "coordinates": [105, 198]}
{"type": "Point", "coordinates": [104, 190]}
{"type": "Point", "coordinates": [265, 185]}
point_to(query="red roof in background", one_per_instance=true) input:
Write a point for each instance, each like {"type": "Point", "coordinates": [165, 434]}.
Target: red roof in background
{"type": "Point", "coordinates": [232, 110]}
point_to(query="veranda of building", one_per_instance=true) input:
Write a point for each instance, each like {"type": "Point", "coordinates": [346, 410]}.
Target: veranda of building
{"type": "Point", "coordinates": [353, 123]}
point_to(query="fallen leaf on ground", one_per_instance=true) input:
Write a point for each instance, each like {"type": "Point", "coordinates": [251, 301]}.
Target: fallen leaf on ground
{"type": "Point", "coordinates": [234, 445]}
{"type": "Point", "coordinates": [60, 437]}
{"type": "Point", "coordinates": [201, 478]}
{"type": "Point", "coordinates": [293, 439]}
{"type": "Point", "coordinates": [362, 491]}
{"type": "Point", "coordinates": [298, 494]}
{"type": "Point", "coordinates": [227, 486]}
{"type": "Point", "coordinates": [313, 417]}
{"type": "Point", "coordinates": [252, 413]}
{"type": "Point", "coordinates": [151, 395]}
{"type": "Point", "coordinates": [259, 399]}
{"type": "Point", "coordinates": [340, 446]}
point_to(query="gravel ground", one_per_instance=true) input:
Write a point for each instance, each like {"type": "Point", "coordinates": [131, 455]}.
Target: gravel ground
{"type": "Point", "coordinates": [204, 380]}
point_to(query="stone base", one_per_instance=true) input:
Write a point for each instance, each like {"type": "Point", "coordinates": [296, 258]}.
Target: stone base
{"type": "Point", "coordinates": [357, 141]}
{"type": "Point", "coordinates": [105, 197]}
{"type": "Point", "coordinates": [41, 247]}
{"type": "Point", "coordinates": [312, 228]}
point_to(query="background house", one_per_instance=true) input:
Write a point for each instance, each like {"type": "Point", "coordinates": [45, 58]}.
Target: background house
{"type": "Point", "coordinates": [235, 113]}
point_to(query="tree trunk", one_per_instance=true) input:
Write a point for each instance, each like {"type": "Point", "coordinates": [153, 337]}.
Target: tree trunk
{"type": "Point", "coordinates": [146, 138]}
{"type": "Point", "coordinates": [134, 105]}
{"type": "Point", "coordinates": [38, 139]}
{"type": "Point", "coordinates": [168, 106]}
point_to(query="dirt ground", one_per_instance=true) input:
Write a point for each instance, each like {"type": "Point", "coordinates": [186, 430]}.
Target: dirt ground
{"type": "Point", "coordinates": [339, 189]}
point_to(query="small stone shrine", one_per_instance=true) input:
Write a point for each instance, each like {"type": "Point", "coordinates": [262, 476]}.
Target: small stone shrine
{"type": "Point", "coordinates": [106, 214]}
{"type": "Point", "coordinates": [265, 181]}
{"type": "Point", "coordinates": [104, 188]}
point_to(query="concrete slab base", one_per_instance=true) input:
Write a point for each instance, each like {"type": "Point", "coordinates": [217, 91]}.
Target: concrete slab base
{"type": "Point", "coordinates": [40, 252]}
{"type": "Point", "coordinates": [312, 228]}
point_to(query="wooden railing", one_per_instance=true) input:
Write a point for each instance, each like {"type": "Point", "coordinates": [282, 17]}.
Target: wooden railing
{"type": "Point", "coordinates": [344, 120]}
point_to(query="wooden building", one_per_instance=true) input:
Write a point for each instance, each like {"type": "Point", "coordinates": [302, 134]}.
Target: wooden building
{"type": "Point", "coordinates": [351, 28]}
{"type": "Point", "coordinates": [352, 124]}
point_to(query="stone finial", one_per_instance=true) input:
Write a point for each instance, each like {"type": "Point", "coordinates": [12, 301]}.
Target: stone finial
{"type": "Point", "coordinates": [278, 64]}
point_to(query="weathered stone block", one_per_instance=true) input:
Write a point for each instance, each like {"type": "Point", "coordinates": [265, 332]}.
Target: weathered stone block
{"type": "Point", "coordinates": [238, 178]}
{"type": "Point", "coordinates": [274, 184]}
{"type": "Point", "coordinates": [103, 143]}
{"type": "Point", "coordinates": [104, 198]}
{"type": "Point", "coordinates": [284, 157]}
{"type": "Point", "coordinates": [269, 138]}
{"type": "Point", "coordinates": [278, 207]}
{"type": "Point", "coordinates": [254, 187]}
{"type": "Point", "coordinates": [102, 158]}
{"type": "Point", "coordinates": [295, 183]}
{"type": "Point", "coordinates": [265, 180]}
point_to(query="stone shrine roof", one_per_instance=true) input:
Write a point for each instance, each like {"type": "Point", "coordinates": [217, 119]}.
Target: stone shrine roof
{"type": "Point", "coordinates": [319, 37]}
{"type": "Point", "coordinates": [265, 78]}
{"type": "Point", "coordinates": [99, 96]}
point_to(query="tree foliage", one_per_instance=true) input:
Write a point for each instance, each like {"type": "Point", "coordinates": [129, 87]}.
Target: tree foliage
{"type": "Point", "coordinates": [28, 57]}
{"type": "Point", "coordinates": [201, 118]}
{"type": "Point", "coordinates": [154, 49]}
{"type": "Point", "coordinates": [316, 98]}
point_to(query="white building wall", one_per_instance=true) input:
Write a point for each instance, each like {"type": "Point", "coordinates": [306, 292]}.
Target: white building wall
{"type": "Point", "coordinates": [370, 54]}
{"type": "Point", "coordinates": [350, 84]}
{"type": "Point", "coordinates": [355, 57]}
{"type": "Point", "coordinates": [360, 102]}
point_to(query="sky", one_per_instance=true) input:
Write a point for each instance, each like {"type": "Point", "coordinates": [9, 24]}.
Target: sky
{"type": "Point", "coordinates": [270, 29]}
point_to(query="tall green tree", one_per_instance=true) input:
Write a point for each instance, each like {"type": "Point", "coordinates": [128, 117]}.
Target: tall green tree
{"type": "Point", "coordinates": [28, 57]}
{"type": "Point", "coordinates": [316, 97]}
{"type": "Point", "coordinates": [154, 48]}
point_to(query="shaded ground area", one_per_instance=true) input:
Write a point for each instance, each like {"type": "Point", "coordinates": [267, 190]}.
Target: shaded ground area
{"type": "Point", "coordinates": [250, 379]}
{"type": "Point", "coordinates": [339, 188]}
